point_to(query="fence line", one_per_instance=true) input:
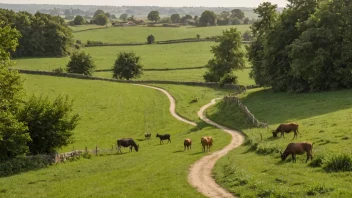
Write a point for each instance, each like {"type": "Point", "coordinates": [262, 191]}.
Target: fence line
{"type": "Point", "coordinates": [255, 122]}
{"type": "Point", "coordinates": [79, 76]}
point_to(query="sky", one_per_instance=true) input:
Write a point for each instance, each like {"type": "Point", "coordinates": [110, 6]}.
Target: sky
{"type": "Point", "coordinates": [161, 3]}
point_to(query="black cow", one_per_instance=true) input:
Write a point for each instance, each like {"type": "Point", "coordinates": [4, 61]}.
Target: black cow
{"type": "Point", "coordinates": [147, 135]}
{"type": "Point", "coordinates": [126, 142]}
{"type": "Point", "coordinates": [163, 137]}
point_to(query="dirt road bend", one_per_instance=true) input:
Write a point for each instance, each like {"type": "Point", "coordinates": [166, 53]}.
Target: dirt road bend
{"type": "Point", "coordinates": [200, 175]}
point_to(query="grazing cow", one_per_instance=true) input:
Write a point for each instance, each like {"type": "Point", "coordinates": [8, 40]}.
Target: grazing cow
{"type": "Point", "coordinates": [147, 135]}
{"type": "Point", "coordinates": [286, 128]}
{"type": "Point", "coordinates": [163, 137]}
{"type": "Point", "coordinates": [126, 142]}
{"type": "Point", "coordinates": [187, 144]}
{"type": "Point", "coordinates": [298, 149]}
{"type": "Point", "coordinates": [206, 142]}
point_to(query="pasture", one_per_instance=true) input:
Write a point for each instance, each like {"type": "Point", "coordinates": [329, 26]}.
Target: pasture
{"type": "Point", "coordinates": [138, 34]}
{"type": "Point", "coordinates": [155, 171]}
{"type": "Point", "coordinates": [256, 168]}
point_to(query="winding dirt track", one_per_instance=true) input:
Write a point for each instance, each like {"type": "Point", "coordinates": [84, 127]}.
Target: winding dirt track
{"type": "Point", "coordinates": [200, 175]}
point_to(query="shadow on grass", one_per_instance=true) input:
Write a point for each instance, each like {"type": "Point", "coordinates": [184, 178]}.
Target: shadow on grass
{"type": "Point", "coordinates": [179, 151]}
{"type": "Point", "coordinates": [197, 153]}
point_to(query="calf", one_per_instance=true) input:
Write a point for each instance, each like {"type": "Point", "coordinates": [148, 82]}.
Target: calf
{"type": "Point", "coordinates": [147, 135]}
{"type": "Point", "coordinates": [206, 142]}
{"type": "Point", "coordinates": [286, 128]}
{"type": "Point", "coordinates": [163, 137]}
{"type": "Point", "coordinates": [298, 149]}
{"type": "Point", "coordinates": [187, 144]}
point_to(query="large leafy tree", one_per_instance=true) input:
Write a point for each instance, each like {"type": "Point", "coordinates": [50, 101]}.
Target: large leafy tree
{"type": "Point", "coordinates": [127, 66]}
{"type": "Point", "coordinates": [154, 16]}
{"type": "Point", "coordinates": [13, 134]}
{"type": "Point", "coordinates": [50, 125]}
{"type": "Point", "coordinates": [322, 55]}
{"type": "Point", "coordinates": [237, 13]}
{"type": "Point", "coordinates": [175, 18]}
{"type": "Point", "coordinates": [101, 19]}
{"type": "Point", "coordinates": [267, 16]}
{"type": "Point", "coordinates": [81, 63]}
{"type": "Point", "coordinates": [79, 20]}
{"type": "Point", "coordinates": [124, 17]}
{"type": "Point", "coordinates": [228, 57]}
{"type": "Point", "coordinates": [98, 12]}
{"type": "Point", "coordinates": [208, 18]}
{"type": "Point", "coordinates": [42, 34]}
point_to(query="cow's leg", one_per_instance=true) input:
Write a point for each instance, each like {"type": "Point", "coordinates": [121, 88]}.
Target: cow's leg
{"type": "Point", "coordinates": [170, 140]}
{"type": "Point", "coordinates": [184, 148]}
{"type": "Point", "coordinates": [293, 158]}
{"type": "Point", "coordinates": [308, 156]}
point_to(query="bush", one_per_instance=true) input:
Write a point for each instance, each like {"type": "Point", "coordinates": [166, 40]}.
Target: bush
{"type": "Point", "coordinates": [81, 63]}
{"type": "Point", "coordinates": [339, 163]}
{"type": "Point", "coordinates": [228, 79]}
{"type": "Point", "coordinates": [94, 43]}
{"type": "Point", "coordinates": [127, 66]}
{"type": "Point", "coordinates": [150, 39]}
{"type": "Point", "coordinates": [318, 161]}
{"type": "Point", "coordinates": [79, 20]}
{"type": "Point", "coordinates": [59, 70]}
{"type": "Point", "coordinates": [318, 189]}
{"type": "Point", "coordinates": [21, 164]}
{"type": "Point", "coordinates": [50, 124]}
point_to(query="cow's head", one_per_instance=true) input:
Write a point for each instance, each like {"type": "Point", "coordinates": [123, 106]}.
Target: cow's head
{"type": "Point", "coordinates": [283, 155]}
{"type": "Point", "coordinates": [274, 133]}
{"type": "Point", "coordinates": [136, 147]}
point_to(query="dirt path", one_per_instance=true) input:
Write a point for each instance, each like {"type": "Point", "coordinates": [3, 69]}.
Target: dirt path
{"type": "Point", "coordinates": [200, 175]}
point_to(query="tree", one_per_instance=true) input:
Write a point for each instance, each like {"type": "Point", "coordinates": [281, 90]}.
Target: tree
{"type": "Point", "coordinates": [81, 63]}
{"type": "Point", "coordinates": [127, 66]}
{"type": "Point", "coordinates": [267, 16]}
{"type": "Point", "coordinates": [113, 16]}
{"type": "Point", "coordinates": [224, 18]}
{"type": "Point", "coordinates": [79, 20]}
{"type": "Point", "coordinates": [124, 17]}
{"type": "Point", "coordinates": [150, 39]}
{"type": "Point", "coordinates": [50, 125]}
{"type": "Point", "coordinates": [42, 34]}
{"type": "Point", "coordinates": [175, 18]}
{"type": "Point", "coordinates": [227, 57]}
{"type": "Point", "coordinates": [98, 12]}
{"type": "Point", "coordinates": [108, 15]}
{"type": "Point", "coordinates": [207, 18]}
{"type": "Point", "coordinates": [13, 134]}
{"type": "Point", "coordinates": [237, 13]}
{"type": "Point", "coordinates": [247, 36]}
{"type": "Point", "coordinates": [165, 20]}
{"type": "Point", "coordinates": [246, 21]}
{"type": "Point", "coordinates": [154, 16]}
{"type": "Point", "coordinates": [198, 36]}
{"type": "Point", "coordinates": [101, 19]}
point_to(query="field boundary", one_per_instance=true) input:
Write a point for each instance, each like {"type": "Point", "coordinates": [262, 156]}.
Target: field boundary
{"type": "Point", "coordinates": [255, 122]}
{"type": "Point", "coordinates": [79, 76]}
{"type": "Point", "coordinates": [176, 41]}
{"type": "Point", "coordinates": [164, 69]}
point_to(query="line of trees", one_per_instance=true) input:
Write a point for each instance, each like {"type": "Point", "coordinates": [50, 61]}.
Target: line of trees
{"type": "Point", "coordinates": [37, 126]}
{"type": "Point", "coordinates": [41, 34]}
{"type": "Point", "coordinates": [305, 48]}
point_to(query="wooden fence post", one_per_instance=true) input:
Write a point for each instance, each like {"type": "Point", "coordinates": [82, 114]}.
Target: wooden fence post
{"type": "Point", "coordinates": [96, 150]}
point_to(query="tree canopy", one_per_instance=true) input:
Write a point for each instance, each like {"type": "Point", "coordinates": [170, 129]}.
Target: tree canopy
{"type": "Point", "coordinates": [175, 18]}
{"type": "Point", "coordinates": [228, 57]}
{"type": "Point", "coordinates": [154, 16]}
{"type": "Point", "coordinates": [101, 19]}
{"type": "Point", "coordinates": [127, 66]}
{"type": "Point", "coordinates": [81, 63]}
{"type": "Point", "coordinates": [124, 17]}
{"type": "Point", "coordinates": [42, 34]}
{"type": "Point", "coordinates": [208, 18]}
{"type": "Point", "coordinates": [79, 20]}
{"type": "Point", "coordinates": [305, 48]}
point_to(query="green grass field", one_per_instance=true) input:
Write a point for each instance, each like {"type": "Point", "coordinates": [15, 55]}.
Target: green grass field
{"type": "Point", "coordinates": [138, 34]}
{"type": "Point", "coordinates": [110, 111]}
{"type": "Point", "coordinates": [324, 119]}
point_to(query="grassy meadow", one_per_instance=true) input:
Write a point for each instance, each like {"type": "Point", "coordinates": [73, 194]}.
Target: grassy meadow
{"type": "Point", "coordinates": [138, 34]}
{"type": "Point", "coordinates": [256, 170]}
{"type": "Point", "coordinates": [155, 171]}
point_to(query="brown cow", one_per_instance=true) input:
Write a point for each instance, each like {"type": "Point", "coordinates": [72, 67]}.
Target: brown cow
{"type": "Point", "coordinates": [286, 128]}
{"type": "Point", "coordinates": [298, 149]}
{"type": "Point", "coordinates": [187, 144]}
{"type": "Point", "coordinates": [206, 142]}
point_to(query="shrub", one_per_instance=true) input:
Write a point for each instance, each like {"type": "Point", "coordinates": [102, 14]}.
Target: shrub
{"type": "Point", "coordinates": [150, 39]}
{"type": "Point", "coordinates": [79, 20]}
{"type": "Point", "coordinates": [21, 164]}
{"type": "Point", "coordinates": [94, 43]}
{"type": "Point", "coordinates": [127, 66]}
{"type": "Point", "coordinates": [58, 70]}
{"type": "Point", "coordinates": [317, 161]}
{"type": "Point", "coordinates": [265, 149]}
{"type": "Point", "coordinates": [50, 124]}
{"type": "Point", "coordinates": [198, 36]}
{"type": "Point", "coordinates": [339, 163]}
{"type": "Point", "coordinates": [228, 79]}
{"type": "Point", "coordinates": [318, 189]}
{"type": "Point", "coordinates": [81, 63]}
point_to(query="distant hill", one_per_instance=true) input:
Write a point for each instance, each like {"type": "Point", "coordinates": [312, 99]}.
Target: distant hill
{"type": "Point", "coordinates": [118, 10]}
